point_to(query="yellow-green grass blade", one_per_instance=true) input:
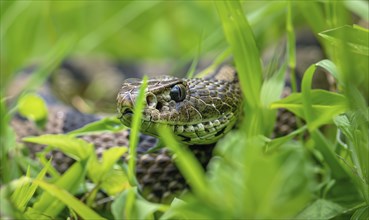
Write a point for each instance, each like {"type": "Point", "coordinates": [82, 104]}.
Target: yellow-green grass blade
{"type": "Point", "coordinates": [187, 163]}
{"type": "Point", "coordinates": [135, 128]}
{"type": "Point", "coordinates": [65, 197]}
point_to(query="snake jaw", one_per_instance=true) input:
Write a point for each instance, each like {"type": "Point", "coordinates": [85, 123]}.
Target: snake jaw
{"type": "Point", "coordinates": [126, 116]}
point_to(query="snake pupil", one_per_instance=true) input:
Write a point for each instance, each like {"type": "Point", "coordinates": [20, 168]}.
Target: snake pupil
{"type": "Point", "coordinates": [178, 93]}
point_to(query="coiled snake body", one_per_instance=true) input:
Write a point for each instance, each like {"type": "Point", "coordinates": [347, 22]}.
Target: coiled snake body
{"type": "Point", "coordinates": [199, 112]}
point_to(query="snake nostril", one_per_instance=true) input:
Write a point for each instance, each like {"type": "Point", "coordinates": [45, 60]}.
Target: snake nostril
{"type": "Point", "coordinates": [151, 100]}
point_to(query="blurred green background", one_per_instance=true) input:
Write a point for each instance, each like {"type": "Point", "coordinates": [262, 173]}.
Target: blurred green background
{"type": "Point", "coordinates": [125, 30]}
{"type": "Point", "coordinates": [174, 31]}
{"type": "Point", "coordinates": [166, 31]}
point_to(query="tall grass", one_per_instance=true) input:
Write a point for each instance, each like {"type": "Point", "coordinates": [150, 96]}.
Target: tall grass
{"type": "Point", "coordinates": [251, 176]}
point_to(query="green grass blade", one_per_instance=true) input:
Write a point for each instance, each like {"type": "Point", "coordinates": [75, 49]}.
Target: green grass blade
{"type": "Point", "coordinates": [313, 14]}
{"type": "Point", "coordinates": [321, 209]}
{"type": "Point", "coordinates": [24, 193]}
{"type": "Point", "coordinates": [128, 205]}
{"type": "Point", "coordinates": [324, 146]}
{"type": "Point", "coordinates": [359, 155]}
{"type": "Point", "coordinates": [108, 124]}
{"type": "Point", "coordinates": [69, 181]}
{"type": "Point", "coordinates": [115, 181]}
{"type": "Point", "coordinates": [330, 67]}
{"type": "Point", "coordinates": [360, 7]}
{"type": "Point", "coordinates": [291, 47]}
{"type": "Point", "coordinates": [187, 163]}
{"type": "Point", "coordinates": [361, 213]}
{"type": "Point", "coordinates": [133, 139]}
{"type": "Point", "coordinates": [73, 147]}
{"type": "Point", "coordinates": [81, 209]}
{"type": "Point", "coordinates": [7, 144]}
{"type": "Point", "coordinates": [97, 170]}
{"type": "Point", "coordinates": [276, 143]}
{"type": "Point", "coordinates": [339, 104]}
{"type": "Point", "coordinates": [356, 39]}
{"type": "Point", "coordinates": [271, 91]}
{"type": "Point", "coordinates": [306, 96]}
{"type": "Point", "coordinates": [246, 54]}
{"type": "Point", "coordinates": [324, 106]}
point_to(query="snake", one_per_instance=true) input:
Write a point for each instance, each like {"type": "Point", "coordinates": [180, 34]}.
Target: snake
{"type": "Point", "coordinates": [199, 111]}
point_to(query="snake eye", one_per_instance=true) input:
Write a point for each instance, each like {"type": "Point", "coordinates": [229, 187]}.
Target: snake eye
{"type": "Point", "coordinates": [178, 92]}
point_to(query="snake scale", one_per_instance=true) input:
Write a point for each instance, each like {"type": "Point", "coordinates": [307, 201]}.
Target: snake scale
{"type": "Point", "coordinates": [199, 112]}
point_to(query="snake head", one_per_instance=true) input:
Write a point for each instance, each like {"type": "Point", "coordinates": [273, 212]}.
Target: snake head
{"type": "Point", "coordinates": [198, 111]}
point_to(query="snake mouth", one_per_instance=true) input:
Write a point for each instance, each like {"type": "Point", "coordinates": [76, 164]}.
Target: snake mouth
{"type": "Point", "coordinates": [126, 116]}
{"type": "Point", "coordinates": [128, 112]}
